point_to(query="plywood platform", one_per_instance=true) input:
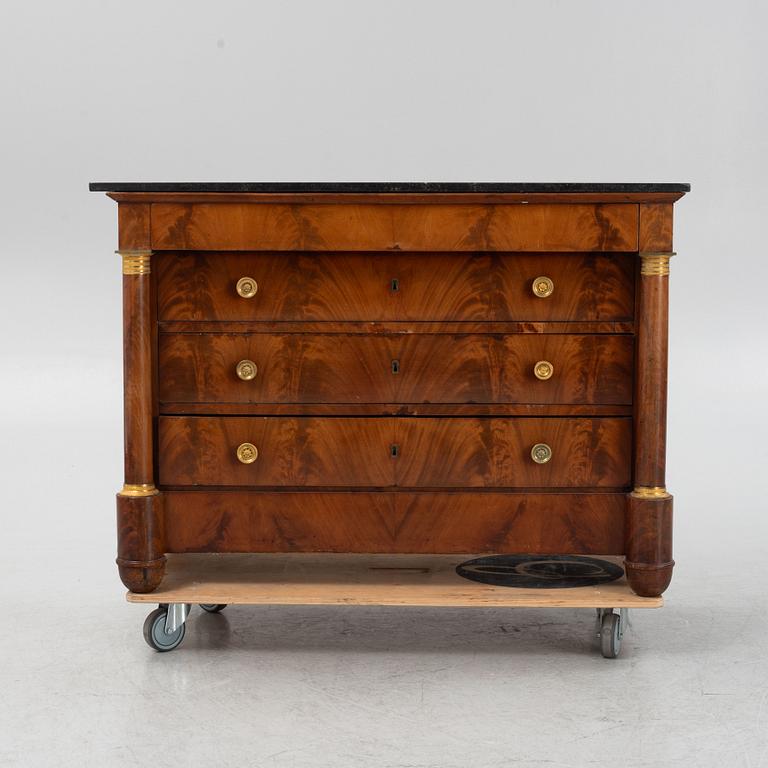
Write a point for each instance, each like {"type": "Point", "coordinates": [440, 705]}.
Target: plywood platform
{"type": "Point", "coordinates": [326, 579]}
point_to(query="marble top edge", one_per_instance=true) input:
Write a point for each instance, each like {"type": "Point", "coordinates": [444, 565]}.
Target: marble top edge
{"type": "Point", "coordinates": [387, 187]}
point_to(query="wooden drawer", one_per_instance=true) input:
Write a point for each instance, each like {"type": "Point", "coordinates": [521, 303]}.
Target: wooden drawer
{"type": "Point", "coordinates": [401, 368]}
{"type": "Point", "coordinates": [387, 451]}
{"type": "Point", "coordinates": [381, 287]}
{"type": "Point", "coordinates": [496, 452]}
{"type": "Point", "coordinates": [202, 450]}
{"type": "Point", "coordinates": [377, 227]}
{"type": "Point", "coordinates": [394, 521]}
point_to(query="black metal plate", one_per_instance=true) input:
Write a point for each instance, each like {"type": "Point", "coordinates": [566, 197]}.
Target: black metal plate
{"type": "Point", "coordinates": [540, 571]}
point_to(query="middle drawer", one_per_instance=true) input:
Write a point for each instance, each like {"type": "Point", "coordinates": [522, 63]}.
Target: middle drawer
{"type": "Point", "coordinates": [395, 451]}
{"type": "Point", "coordinates": [397, 368]}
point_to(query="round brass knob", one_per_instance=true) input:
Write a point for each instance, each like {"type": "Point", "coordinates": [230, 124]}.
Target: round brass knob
{"type": "Point", "coordinates": [247, 453]}
{"type": "Point", "coordinates": [247, 287]}
{"type": "Point", "coordinates": [542, 286]}
{"type": "Point", "coordinates": [543, 370]}
{"type": "Point", "coordinates": [246, 370]}
{"type": "Point", "coordinates": [541, 453]}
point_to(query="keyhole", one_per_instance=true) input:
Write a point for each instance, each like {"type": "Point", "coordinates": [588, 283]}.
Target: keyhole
{"type": "Point", "coordinates": [395, 366]}
{"type": "Point", "coordinates": [394, 450]}
{"type": "Point", "coordinates": [395, 284]}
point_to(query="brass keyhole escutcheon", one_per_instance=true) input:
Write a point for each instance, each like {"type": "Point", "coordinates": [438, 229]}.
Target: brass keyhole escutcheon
{"type": "Point", "coordinates": [543, 370]}
{"type": "Point", "coordinates": [246, 370]}
{"type": "Point", "coordinates": [247, 453]}
{"type": "Point", "coordinates": [541, 453]}
{"type": "Point", "coordinates": [247, 287]}
{"type": "Point", "coordinates": [542, 286]}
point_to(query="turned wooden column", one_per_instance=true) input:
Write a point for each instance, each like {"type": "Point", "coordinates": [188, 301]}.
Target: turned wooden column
{"type": "Point", "coordinates": [649, 560]}
{"type": "Point", "coordinates": [140, 555]}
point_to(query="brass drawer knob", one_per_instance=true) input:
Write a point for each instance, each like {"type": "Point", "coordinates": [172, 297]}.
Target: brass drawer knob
{"type": "Point", "coordinates": [247, 453]}
{"type": "Point", "coordinates": [541, 453]}
{"type": "Point", "coordinates": [246, 370]}
{"type": "Point", "coordinates": [247, 287]}
{"type": "Point", "coordinates": [543, 370]}
{"type": "Point", "coordinates": [542, 286]}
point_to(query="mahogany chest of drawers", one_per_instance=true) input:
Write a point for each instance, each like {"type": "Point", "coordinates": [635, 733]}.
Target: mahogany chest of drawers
{"type": "Point", "coordinates": [383, 368]}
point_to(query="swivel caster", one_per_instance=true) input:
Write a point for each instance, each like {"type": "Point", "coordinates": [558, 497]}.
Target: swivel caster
{"type": "Point", "coordinates": [164, 628]}
{"type": "Point", "coordinates": [213, 607]}
{"type": "Point", "coordinates": [612, 628]}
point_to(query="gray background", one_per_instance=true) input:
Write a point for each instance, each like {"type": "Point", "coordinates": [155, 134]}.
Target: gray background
{"type": "Point", "coordinates": [372, 91]}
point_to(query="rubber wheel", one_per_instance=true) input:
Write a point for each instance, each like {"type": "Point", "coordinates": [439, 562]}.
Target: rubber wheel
{"type": "Point", "coordinates": [154, 632]}
{"type": "Point", "coordinates": [610, 635]}
{"type": "Point", "coordinates": [213, 607]}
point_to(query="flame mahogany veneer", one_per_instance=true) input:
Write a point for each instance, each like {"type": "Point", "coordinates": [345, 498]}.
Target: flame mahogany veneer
{"type": "Point", "coordinates": [393, 370]}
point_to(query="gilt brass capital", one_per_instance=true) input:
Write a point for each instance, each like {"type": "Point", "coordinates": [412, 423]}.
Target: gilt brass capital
{"type": "Point", "coordinates": [650, 492]}
{"type": "Point", "coordinates": [144, 489]}
{"type": "Point", "coordinates": [136, 262]}
{"type": "Point", "coordinates": [655, 263]}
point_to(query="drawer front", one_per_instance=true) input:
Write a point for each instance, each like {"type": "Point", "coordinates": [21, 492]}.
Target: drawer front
{"type": "Point", "coordinates": [403, 368]}
{"type": "Point", "coordinates": [377, 227]}
{"type": "Point", "coordinates": [394, 521]}
{"type": "Point", "coordinates": [381, 287]}
{"type": "Point", "coordinates": [496, 452]}
{"type": "Point", "coordinates": [201, 450]}
{"type": "Point", "coordinates": [405, 452]}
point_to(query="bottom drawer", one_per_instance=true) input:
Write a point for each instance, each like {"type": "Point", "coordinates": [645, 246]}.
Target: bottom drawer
{"type": "Point", "coordinates": [392, 522]}
{"type": "Point", "coordinates": [407, 452]}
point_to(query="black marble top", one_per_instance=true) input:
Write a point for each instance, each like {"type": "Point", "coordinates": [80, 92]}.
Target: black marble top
{"type": "Point", "coordinates": [384, 187]}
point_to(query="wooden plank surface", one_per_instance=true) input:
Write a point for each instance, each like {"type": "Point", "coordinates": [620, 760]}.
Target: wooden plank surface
{"type": "Point", "coordinates": [302, 579]}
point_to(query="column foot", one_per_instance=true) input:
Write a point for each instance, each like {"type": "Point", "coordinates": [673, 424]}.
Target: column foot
{"type": "Point", "coordinates": [141, 576]}
{"type": "Point", "coordinates": [648, 580]}
{"type": "Point", "coordinates": [140, 539]}
{"type": "Point", "coordinates": [649, 562]}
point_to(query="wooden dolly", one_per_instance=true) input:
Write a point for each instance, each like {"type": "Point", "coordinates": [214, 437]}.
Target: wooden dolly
{"type": "Point", "coordinates": [215, 581]}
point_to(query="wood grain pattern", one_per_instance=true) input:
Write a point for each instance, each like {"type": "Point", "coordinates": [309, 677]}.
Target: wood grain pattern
{"type": "Point", "coordinates": [366, 227]}
{"type": "Point", "coordinates": [394, 409]}
{"type": "Point", "coordinates": [482, 453]}
{"type": "Point", "coordinates": [655, 233]}
{"type": "Point", "coordinates": [140, 541]}
{"type": "Point", "coordinates": [356, 452]}
{"type": "Point", "coordinates": [405, 521]}
{"type": "Point", "coordinates": [423, 580]}
{"type": "Point", "coordinates": [651, 382]}
{"type": "Point", "coordinates": [398, 327]}
{"type": "Point", "coordinates": [292, 451]}
{"type": "Point", "coordinates": [416, 368]}
{"type": "Point", "coordinates": [649, 560]}
{"type": "Point", "coordinates": [358, 287]}
{"type": "Point", "coordinates": [137, 379]}
{"type": "Point", "coordinates": [134, 226]}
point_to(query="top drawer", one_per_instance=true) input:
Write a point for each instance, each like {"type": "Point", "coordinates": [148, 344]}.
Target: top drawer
{"type": "Point", "coordinates": [394, 227]}
{"type": "Point", "coordinates": [389, 287]}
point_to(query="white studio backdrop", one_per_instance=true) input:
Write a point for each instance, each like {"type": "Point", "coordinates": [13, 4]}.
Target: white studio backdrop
{"type": "Point", "coordinates": [597, 90]}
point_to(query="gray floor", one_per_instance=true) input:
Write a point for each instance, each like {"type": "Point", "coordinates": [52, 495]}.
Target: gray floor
{"type": "Point", "coordinates": [354, 686]}
{"type": "Point", "coordinates": [385, 687]}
